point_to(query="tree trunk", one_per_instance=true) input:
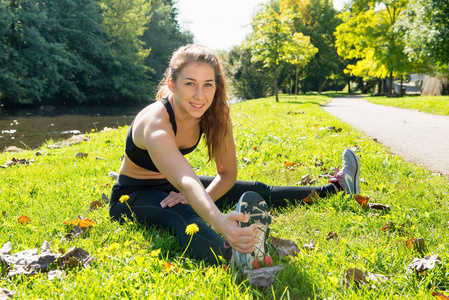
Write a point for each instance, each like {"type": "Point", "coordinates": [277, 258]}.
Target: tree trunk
{"type": "Point", "coordinates": [402, 82]}
{"type": "Point", "coordinates": [296, 82]}
{"type": "Point", "coordinates": [390, 84]}
{"type": "Point", "coordinates": [349, 86]}
{"type": "Point", "coordinates": [276, 83]}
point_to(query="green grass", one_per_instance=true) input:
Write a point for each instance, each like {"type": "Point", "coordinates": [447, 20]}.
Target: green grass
{"type": "Point", "coordinates": [58, 187]}
{"type": "Point", "coordinates": [438, 105]}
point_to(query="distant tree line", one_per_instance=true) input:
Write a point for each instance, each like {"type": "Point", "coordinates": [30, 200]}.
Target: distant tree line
{"type": "Point", "coordinates": [366, 43]}
{"type": "Point", "coordinates": [92, 51]}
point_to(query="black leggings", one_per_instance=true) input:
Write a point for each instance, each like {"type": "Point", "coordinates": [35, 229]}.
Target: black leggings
{"type": "Point", "coordinates": [146, 195]}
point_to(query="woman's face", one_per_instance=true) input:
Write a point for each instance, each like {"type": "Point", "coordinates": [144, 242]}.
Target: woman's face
{"type": "Point", "coordinates": [194, 89]}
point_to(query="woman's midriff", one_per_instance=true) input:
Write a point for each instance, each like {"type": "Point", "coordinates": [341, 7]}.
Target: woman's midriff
{"type": "Point", "coordinates": [132, 170]}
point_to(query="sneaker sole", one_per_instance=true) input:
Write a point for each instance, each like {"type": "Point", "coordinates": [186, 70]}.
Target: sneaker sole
{"type": "Point", "coordinates": [357, 173]}
{"type": "Point", "coordinates": [256, 209]}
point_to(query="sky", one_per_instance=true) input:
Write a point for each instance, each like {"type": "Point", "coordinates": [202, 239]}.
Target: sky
{"type": "Point", "coordinates": [221, 24]}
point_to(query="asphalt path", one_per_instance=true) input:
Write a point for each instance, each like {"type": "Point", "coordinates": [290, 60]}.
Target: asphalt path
{"type": "Point", "coordinates": [419, 138]}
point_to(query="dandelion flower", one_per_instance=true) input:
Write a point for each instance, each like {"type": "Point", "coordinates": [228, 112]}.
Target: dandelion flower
{"type": "Point", "coordinates": [192, 229]}
{"type": "Point", "coordinates": [123, 198]}
{"type": "Point", "coordinates": [114, 246]}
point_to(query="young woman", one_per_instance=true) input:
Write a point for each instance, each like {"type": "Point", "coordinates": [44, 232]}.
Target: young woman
{"type": "Point", "coordinates": [163, 188]}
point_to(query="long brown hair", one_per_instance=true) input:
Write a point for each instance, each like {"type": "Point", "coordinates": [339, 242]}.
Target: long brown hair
{"type": "Point", "coordinates": [216, 121]}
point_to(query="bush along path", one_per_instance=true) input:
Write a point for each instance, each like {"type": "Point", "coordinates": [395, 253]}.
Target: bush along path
{"type": "Point", "coordinates": [389, 242]}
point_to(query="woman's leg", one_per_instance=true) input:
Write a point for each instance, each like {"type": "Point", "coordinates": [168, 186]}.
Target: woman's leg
{"type": "Point", "coordinates": [275, 196]}
{"type": "Point", "coordinates": [145, 204]}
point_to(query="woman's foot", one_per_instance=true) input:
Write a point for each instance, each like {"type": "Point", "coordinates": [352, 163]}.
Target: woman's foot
{"type": "Point", "coordinates": [348, 177]}
{"type": "Point", "coordinates": [256, 209]}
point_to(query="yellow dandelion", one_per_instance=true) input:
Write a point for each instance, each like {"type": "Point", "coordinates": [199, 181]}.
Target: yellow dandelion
{"type": "Point", "coordinates": [123, 198]}
{"type": "Point", "coordinates": [114, 246]}
{"type": "Point", "coordinates": [192, 229]}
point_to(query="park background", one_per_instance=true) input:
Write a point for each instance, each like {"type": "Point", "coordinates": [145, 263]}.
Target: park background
{"type": "Point", "coordinates": [83, 53]}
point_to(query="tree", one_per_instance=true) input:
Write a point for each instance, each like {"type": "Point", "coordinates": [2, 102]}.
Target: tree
{"type": "Point", "coordinates": [246, 80]}
{"type": "Point", "coordinates": [425, 30]}
{"type": "Point", "coordinates": [298, 52]}
{"type": "Point", "coordinates": [270, 33]}
{"type": "Point", "coordinates": [367, 34]}
{"type": "Point", "coordinates": [126, 21]}
{"type": "Point", "coordinates": [318, 20]}
{"type": "Point", "coordinates": [163, 36]}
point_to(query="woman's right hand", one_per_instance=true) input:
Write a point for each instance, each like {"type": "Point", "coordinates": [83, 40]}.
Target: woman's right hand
{"type": "Point", "coordinates": [241, 239]}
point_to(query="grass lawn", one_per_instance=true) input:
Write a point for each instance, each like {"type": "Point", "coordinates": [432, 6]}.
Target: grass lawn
{"type": "Point", "coordinates": [438, 105]}
{"type": "Point", "coordinates": [283, 141]}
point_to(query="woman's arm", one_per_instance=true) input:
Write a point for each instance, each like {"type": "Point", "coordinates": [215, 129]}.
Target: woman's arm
{"type": "Point", "coordinates": [226, 171]}
{"type": "Point", "coordinates": [160, 141]}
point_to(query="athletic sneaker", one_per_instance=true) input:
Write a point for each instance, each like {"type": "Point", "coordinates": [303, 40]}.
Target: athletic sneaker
{"type": "Point", "coordinates": [348, 177]}
{"type": "Point", "coordinates": [256, 209]}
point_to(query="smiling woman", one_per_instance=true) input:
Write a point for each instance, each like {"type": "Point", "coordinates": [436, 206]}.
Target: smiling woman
{"type": "Point", "coordinates": [163, 188]}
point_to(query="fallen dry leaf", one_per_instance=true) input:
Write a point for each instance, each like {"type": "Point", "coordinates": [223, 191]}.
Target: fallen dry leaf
{"type": "Point", "coordinates": [81, 155]}
{"type": "Point", "coordinates": [379, 206]}
{"type": "Point", "coordinates": [423, 265]}
{"type": "Point", "coordinates": [262, 277]}
{"type": "Point", "coordinates": [75, 257]}
{"type": "Point", "coordinates": [440, 296]}
{"type": "Point", "coordinates": [94, 205]}
{"type": "Point", "coordinates": [363, 201]}
{"type": "Point", "coordinates": [332, 235]}
{"type": "Point", "coordinates": [311, 198]}
{"type": "Point", "coordinates": [23, 219]}
{"type": "Point", "coordinates": [56, 274]}
{"type": "Point", "coordinates": [309, 246]}
{"type": "Point", "coordinates": [113, 174]}
{"type": "Point", "coordinates": [5, 294]}
{"type": "Point", "coordinates": [307, 179]}
{"type": "Point", "coordinates": [358, 277]}
{"type": "Point", "coordinates": [28, 262]}
{"type": "Point", "coordinates": [76, 232]}
{"type": "Point", "coordinates": [418, 244]}
{"type": "Point", "coordinates": [284, 247]}
{"type": "Point", "coordinates": [105, 199]}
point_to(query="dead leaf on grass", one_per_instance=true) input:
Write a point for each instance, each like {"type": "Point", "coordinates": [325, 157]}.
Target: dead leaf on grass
{"type": "Point", "coordinates": [284, 247]}
{"type": "Point", "coordinates": [75, 257]}
{"type": "Point", "coordinates": [76, 232]}
{"type": "Point", "coordinates": [310, 246]}
{"type": "Point", "coordinates": [27, 262]}
{"type": "Point", "coordinates": [439, 296]}
{"type": "Point", "coordinates": [357, 277]}
{"type": "Point", "coordinates": [307, 179]}
{"type": "Point", "coordinates": [421, 266]}
{"type": "Point", "coordinates": [418, 244]}
{"type": "Point", "coordinates": [23, 220]}
{"type": "Point", "coordinates": [56, 274]}
{"type": "Point", "coordinates": [262, 277]}
{"type": "Point", "coordinates": [379, 206]}
{"type": "Point", "coordinates": [311, 198]}
{"type": "Point", "coordinates": [332, 235]}
{"type": "Point", "coordinates": [95, 204]}
{"type": "Point", "coordinates": [363, 201]}
{"type": "Point", "coordinates": [81, 155]}
{"type": "Point", "coordinates": [6, 294]}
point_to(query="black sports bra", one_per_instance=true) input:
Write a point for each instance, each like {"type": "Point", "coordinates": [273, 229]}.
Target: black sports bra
{"type": "Point", "coordinates": [141, 157]}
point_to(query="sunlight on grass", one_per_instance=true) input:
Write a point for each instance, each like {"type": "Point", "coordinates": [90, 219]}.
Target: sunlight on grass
{"type": "Point", "coordinates": [130, 261]}
{"type": "Point", "coordinates": [438, 105]}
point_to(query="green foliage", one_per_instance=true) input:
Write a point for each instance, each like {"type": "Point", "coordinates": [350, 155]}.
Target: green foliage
{"type": "Point", "coordinates": [318, 20]}
{"type": "Point", "coordinates": [129, 258]}
{"type": "Point", "coordinates": [367, 34]}
{"type": "Point", "coordinates": [163, 36]}
{"type": "Point", "coordinates": [67, 51]}
{"type": "Point", "coordinates": [425, 30]}
{"type": "Point", "coordinates": [247, 81]}
{"type": "Point", "coordinates": [271, 32]}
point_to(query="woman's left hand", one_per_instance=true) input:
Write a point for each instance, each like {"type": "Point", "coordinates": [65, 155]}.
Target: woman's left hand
{"type": "Point", "coordinates": [172, 199]}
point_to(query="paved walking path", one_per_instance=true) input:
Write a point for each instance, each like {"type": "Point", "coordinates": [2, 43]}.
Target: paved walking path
{"type": "Point", "coordinates": [418, 137]}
